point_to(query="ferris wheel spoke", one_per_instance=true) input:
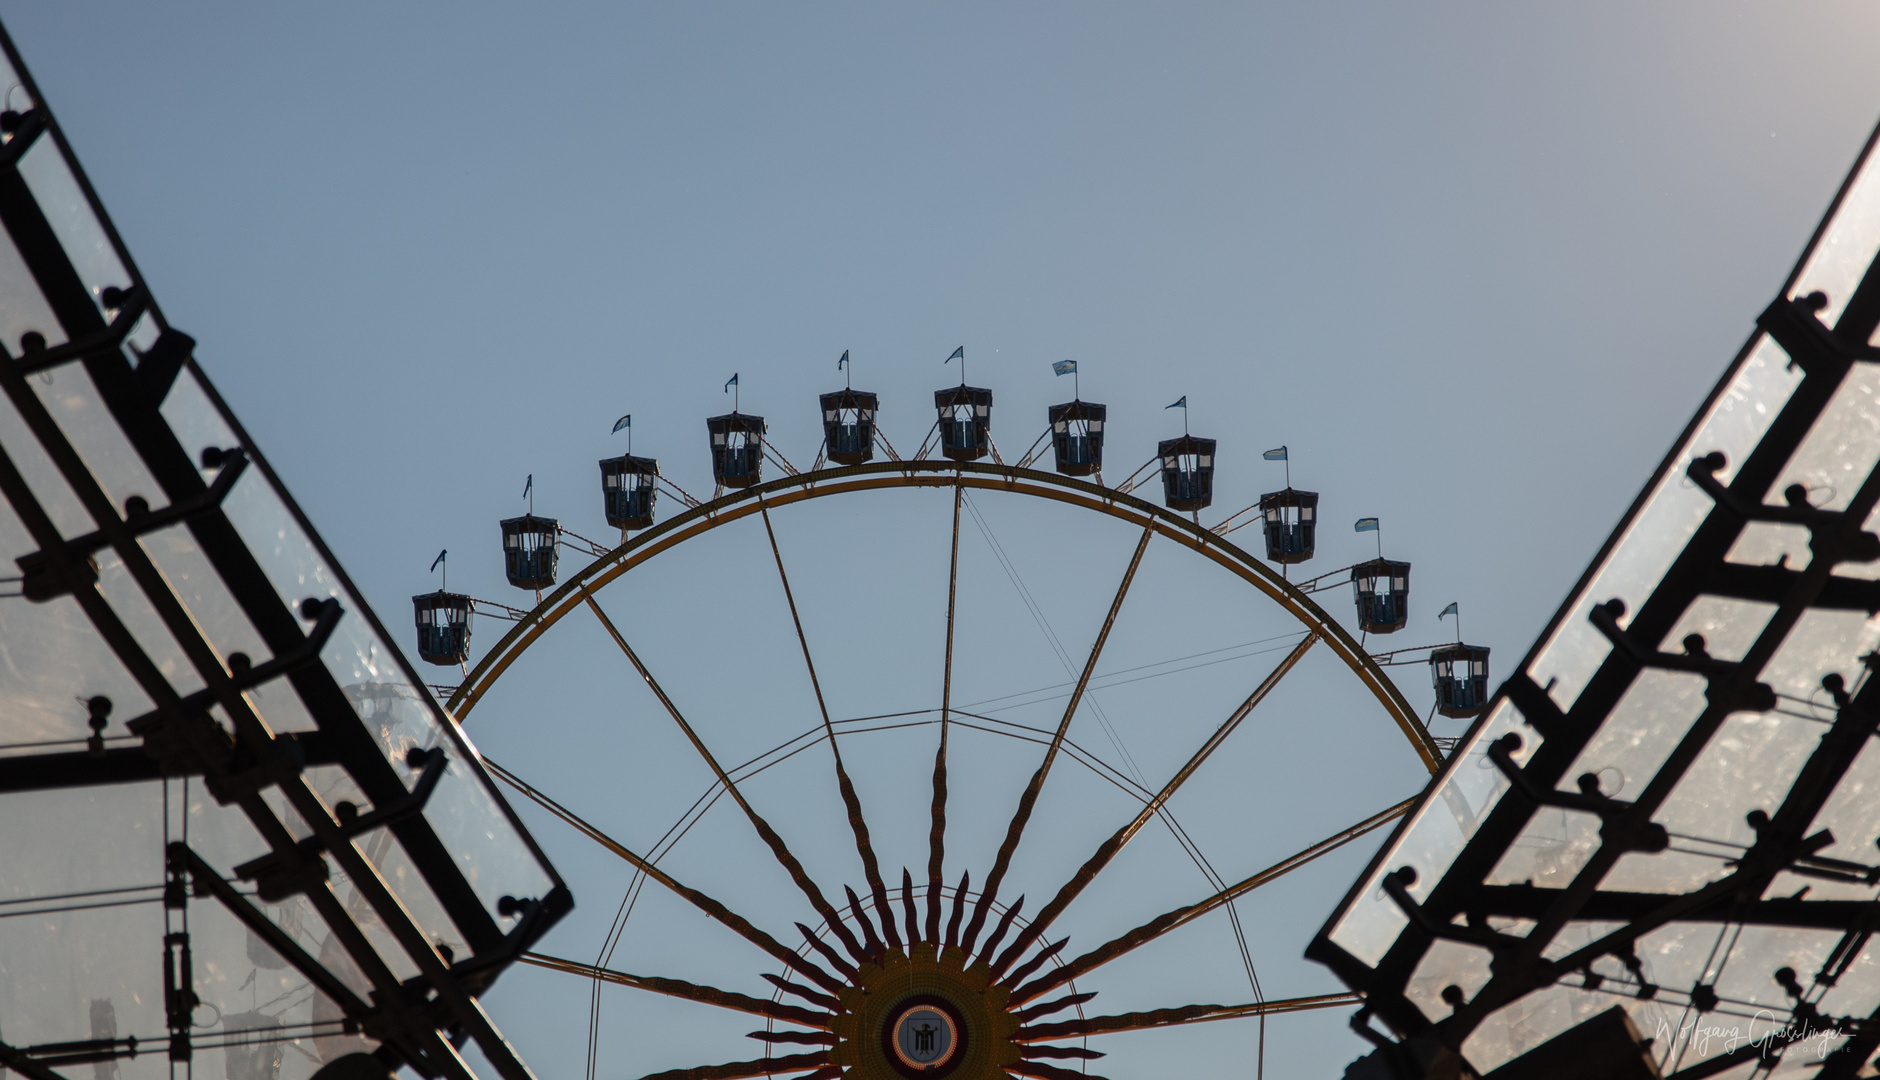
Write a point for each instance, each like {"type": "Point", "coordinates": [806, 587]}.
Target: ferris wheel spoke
{"type": "Point", "coordinates": [1182, 916]}
{"type": "Point", "coordinates": [679, 988]}
{"type": "Point", "coordinates": [737, 923]}
{"type": "Point", "coordinates": [769, 835]}
{"type": "Point", "coordinates": [1042, 1071]}
{"type": "Point", "coordinates": [1114, 845]}
{"type": "Point", "coordinates": [937, 833]}
{"type": "Point", "coordinates": [1016, 830]}
{"type": "Point", "coordinates": [743, 1070]}
{"type": "Point", "coordinates": [864, 847]}
{"type": "Point", "coordinates": [1185, 1014]}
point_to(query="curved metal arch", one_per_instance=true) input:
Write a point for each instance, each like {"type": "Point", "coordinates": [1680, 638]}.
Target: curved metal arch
{"type": "Point", "coordinates": [895, 474]}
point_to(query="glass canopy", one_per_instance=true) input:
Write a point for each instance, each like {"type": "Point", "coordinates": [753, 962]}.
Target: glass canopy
{"type": "Point", "coordinates": [1671, 807]}
{"type": "Point", "coordinates": [240, 835]}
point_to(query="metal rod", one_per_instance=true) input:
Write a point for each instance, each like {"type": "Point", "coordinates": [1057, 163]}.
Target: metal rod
{"type": "Point", "coordinates": [937, 833]}
{"type": "Point", "coordinates": [1182, 916]}
{"type": "Point", "coordinates": [679, 988]}
{"type": "Point", "coordinates": [1186, 1014]}
{"type": "Point", "coordinates": [764, 831]}
{"type": "Point", "coordinates": [1111, 847]}
{"type": "Point", "coordinates": [738, 923]}
{"type": "Point", "coordinates": [857, 823]}
{"type": "Point", "coordinates": [1016, 830]}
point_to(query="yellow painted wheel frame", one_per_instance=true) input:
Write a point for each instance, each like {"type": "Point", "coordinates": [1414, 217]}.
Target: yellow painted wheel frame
{"type": "Point", "coordinates": [799, 487]}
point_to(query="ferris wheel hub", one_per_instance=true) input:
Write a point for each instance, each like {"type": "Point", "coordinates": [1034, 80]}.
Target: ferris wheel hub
{"type": "Point", "coordinates": [924, 1013]}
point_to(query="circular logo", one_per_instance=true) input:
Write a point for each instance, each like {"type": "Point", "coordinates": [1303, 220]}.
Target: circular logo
{"type": "Point", "coordinates": [923, 1037]}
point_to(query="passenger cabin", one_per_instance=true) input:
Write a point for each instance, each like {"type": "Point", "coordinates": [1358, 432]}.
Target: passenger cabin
{"type": "Point", "coordinates": [1382, 589]}
{"type": "Point", "coordinates": [1460, 675]}
{"type": "Point", "coordinates": [628, 489]}
{"type": "Point", "coordinates": [443, 627]}
{"type": "Point", "coordinates": [965, 421]}
{"type": "Point", "coordinates": [1077, 437]}
{"type": "Point", "coordinates": [849, 426]}
{"type": "Point", "coordinates": [531, 551]}
{"type": "Point", "coordinates": [1290, 519]}
{"type": "Point", "coordinates": [737, 449]}
{"type": "Point", "coordinates": [1187, 472]}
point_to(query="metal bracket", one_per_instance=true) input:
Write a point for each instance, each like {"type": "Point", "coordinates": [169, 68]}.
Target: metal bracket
{"type": "Point", "coordinates": [1757, 697]}
{"type": "Point", "coordinates": [25, 129]}
{"type": "Point", "coordinates": [1651, 837]}
{"type": "Point", "coordinates": [130, 305]}
{"type": "Point", "coordinates": [1397, 884]}
{"type": "Point", "coordinates": [1822, 525]}
{"type": "Point", "coordinates": [40, 581]}
{"type": "Point", "coordinates": [281, 874]}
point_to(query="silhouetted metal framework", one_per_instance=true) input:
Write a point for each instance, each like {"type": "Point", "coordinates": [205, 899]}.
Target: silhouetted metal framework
{"type": "Point", "coordinates": [443, 620]}
{"type": "Point", "coordinates": [1671, 806]}
{"type": "Point", "coordinates": [1290, 520]}
{"type": "Point", "coordinates": [214, 762]}
{"type": "Point", "coordinates": [849, 426]}
{"type": "Point", "coordinates": [629, 486]}
{"type": "Point", "coordinates": [1187, 472]}
{"type": "Point", "coordinates": [965, 421]}
{"type": "Point", "coordinates": [1077, 437]}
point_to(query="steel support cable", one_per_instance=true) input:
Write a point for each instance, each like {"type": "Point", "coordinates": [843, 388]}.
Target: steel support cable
{"type": "Point", "coordinates": [737, 923]}
{"type": "Point", "coordinates": [858, 824]}
{"type": "Point", "coordinates": [1175, 828]}
{"type": "Point", "coordinates": [1110, 848]}
{"type": "Point", "coordinates": [1016, 830]}
{"type": "Point", "coordinates": [769, 835]}
{"type": "Point", "coordinates": [1050, 635]}
{"type": "Point", "coordinates": [1182, 916]}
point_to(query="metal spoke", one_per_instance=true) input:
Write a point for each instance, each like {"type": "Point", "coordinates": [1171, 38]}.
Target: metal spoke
{"type": "Point", "coordinates": [1162, 924]}
{"type": "Point", "coordinates": [679, 988]}
{"type": "Point", "coordinates": [764, 831]}
{"type": "Point", "coordinates": [1111, 847]}
{"type": "Point", "coordinates": [1186, 1014]}
{"type": "Point", "coordinates": [937, 834]}
{"type": "Point", "coordinates": [743, 1070]}
{"type": "Point", "coordinates": [738, 923]}
{"type": "Point", "coordinates": [1029, 799]}
{"type": "Point", "coordinates": [871, 870]}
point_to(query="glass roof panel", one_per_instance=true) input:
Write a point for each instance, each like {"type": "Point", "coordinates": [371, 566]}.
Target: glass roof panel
{"type": "Point", "coordinates": [1693, 802]}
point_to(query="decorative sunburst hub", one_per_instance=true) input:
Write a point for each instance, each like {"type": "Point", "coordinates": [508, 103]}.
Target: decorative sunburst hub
{"type": "Point", "coordinates": [924, 1013]}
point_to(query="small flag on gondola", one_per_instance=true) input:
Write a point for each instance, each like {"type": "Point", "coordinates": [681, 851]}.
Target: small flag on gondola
{"type": "Point", "coordinates": [1275, 455]}
{"type": "Point", "coordinates": [440, 558]}
{"type": "Point", "coordinates": [1064, 367]}
{"type": "Point", "coordinates": [1182, 404]}
{"type": "Point", "coordinates": [1452, 609]}
{"type": "Point", "coordinates": [844, 362]}
{"type": "Point", "coordinates": [731, 382]}
{"type": "Point", "coordinates": [958, 354]}
{"type": "Point", "coordinates": [529, 486]}
{"type": "Point", "coordinates": [1365, 525]}
{"type": "Point", "coordinates": [624, 422]}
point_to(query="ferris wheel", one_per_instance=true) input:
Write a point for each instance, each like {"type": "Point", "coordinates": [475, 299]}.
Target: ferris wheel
{"type": "Point", "coordinates": [915, 951]}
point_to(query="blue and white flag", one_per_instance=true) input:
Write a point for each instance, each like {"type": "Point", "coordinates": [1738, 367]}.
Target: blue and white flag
{"type": "Point", "coordinates": [958, 354]}
{"type": "Point", "coordinates": [528, 487]}
{"type": "Point", "coordinates": [440, 558]}
{"type": "Point", "coordinates": [1064, 367]}
{"type": "Point", "coordinates": [731, 382]}
{"type": "Point", "coordinates": [624, 422]}
{"type": "Point", "coordinates": [1182, 404]}
{"type": "Point", "coordinates": [1275, 455]}
{"type": "Point", "coordinates": [842, 363]}
{"type": "Point", "coordinates": [1452, 609]}
{"type": "Point", "coordinates": [1365, 525]}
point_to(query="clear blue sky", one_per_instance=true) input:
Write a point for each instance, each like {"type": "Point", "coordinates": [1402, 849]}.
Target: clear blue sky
{"type": "Point", "coordinates": [1476, 264]}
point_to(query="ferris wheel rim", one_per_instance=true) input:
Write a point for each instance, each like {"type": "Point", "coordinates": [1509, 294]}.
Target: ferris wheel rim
{"type": "Point", "coordinates": [740, 503]}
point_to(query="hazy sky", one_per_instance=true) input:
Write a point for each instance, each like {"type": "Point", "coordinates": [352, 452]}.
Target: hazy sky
{"type": "Point", "coordinates": [1476, 264]}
